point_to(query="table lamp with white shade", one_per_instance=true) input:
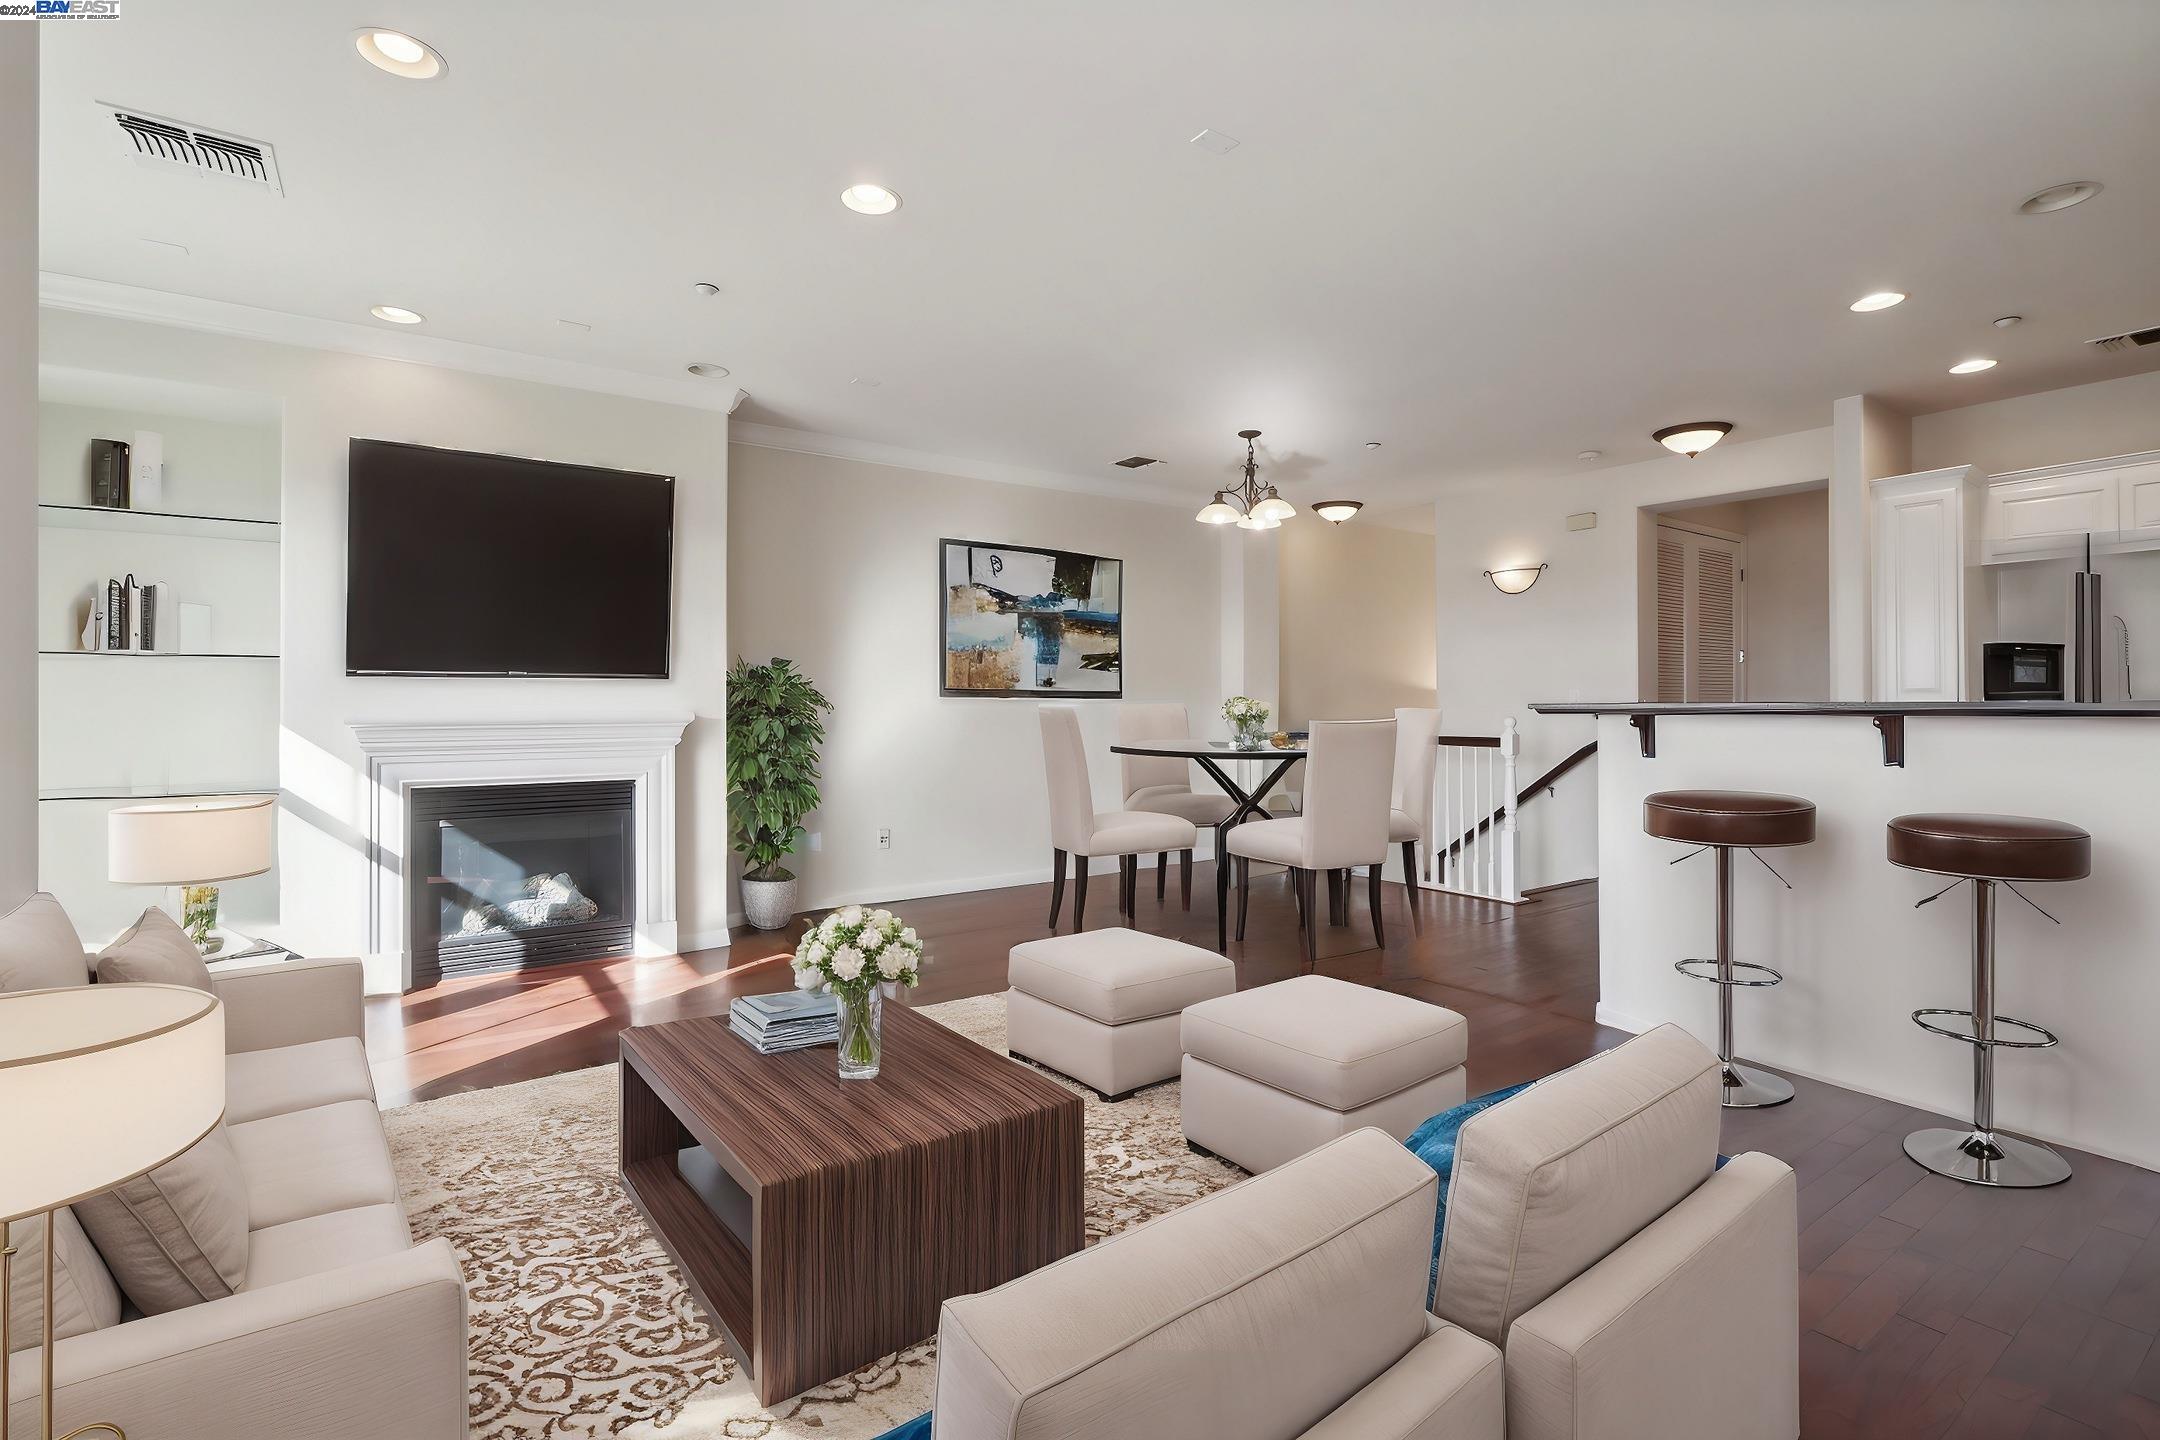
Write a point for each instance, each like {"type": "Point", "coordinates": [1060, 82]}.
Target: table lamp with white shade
{"type": "Point", "coordinates": [98, 1084]}
{"type": "Point", "coordinates": [193, 844]}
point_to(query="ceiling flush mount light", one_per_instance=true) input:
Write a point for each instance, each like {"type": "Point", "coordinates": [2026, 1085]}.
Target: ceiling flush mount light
{"type": "Point", "coordinates": [1971, 367]}
{"type": "Point", "coordinates": [398, 53]}
{"type": "Point", "coordinates": [1335, 512]}
{"type": "Point", "coordinates": [396, 314]}
{"type": "Point", "coordinates": [1514, 579]}
{"type": "Point", "coordinates": [870, 199]}
{"type": "Point", "coordinates": [706, 370]}
{"type": "Point", "coordinates": [1692, 438]}
{"type": "Point", "coordinates": [1880, 300]}
{"type": "Point", "coordinates": [2059, 197]}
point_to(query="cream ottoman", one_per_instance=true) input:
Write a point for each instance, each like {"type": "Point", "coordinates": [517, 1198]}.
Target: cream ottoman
{"type": "Point", "coordinates": [1273, 1072]}
{"type": "Point", "coordinates": [1102, 1006]}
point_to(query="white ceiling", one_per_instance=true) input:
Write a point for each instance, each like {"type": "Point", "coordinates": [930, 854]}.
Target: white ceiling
{"type": "Point", "coordinates": [1490, 235]}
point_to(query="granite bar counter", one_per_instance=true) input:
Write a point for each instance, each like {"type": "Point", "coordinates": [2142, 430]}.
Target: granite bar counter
{"type": "Point", "coordinates": [1857, 955]}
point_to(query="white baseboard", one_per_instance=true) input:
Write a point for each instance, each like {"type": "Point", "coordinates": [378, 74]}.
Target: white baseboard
{"type": "Point", "coordinates": [689, 940]}
{"type": "Point", "coordinates": [1633, 1024]}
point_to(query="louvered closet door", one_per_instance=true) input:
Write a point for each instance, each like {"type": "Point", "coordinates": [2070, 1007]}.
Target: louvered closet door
{"type": "Point", "coordinates": [1701, 616]}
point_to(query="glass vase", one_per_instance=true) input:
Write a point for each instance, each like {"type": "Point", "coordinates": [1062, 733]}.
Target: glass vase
{"type": "Point", "coordinates": [199, 917]}
{"type": "Point", "coordinates": [1249, 735]}
{"type": "Point", "coordinates": [862, 1033]}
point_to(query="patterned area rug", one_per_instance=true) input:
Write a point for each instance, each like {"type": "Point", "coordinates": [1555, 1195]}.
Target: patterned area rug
{"type": "Point", "coordinates": [579, 1324]}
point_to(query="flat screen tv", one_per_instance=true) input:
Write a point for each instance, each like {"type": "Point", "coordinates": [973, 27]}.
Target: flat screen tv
{"type": "Point", "coordinates": [465, 564]}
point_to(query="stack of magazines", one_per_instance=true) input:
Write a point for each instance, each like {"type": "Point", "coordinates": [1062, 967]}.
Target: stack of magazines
{"type": "Point", "coordinates": [790, 1020]}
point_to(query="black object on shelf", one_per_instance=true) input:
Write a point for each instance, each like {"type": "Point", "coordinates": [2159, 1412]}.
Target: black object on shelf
{"type": "Point", "coordinates": [109, 474]}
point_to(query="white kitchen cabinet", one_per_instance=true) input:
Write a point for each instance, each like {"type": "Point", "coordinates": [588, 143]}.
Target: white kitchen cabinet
{"type": "Point", "coordinates": [2049, 512]}
{"type": "Point", "coordinates": [1927, 530]}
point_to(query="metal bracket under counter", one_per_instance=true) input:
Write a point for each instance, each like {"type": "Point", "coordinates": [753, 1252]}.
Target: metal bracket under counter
{"type": "Point", "coordinates": [1888, 720]}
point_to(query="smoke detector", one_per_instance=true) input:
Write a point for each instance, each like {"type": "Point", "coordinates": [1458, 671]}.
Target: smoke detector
{"type": "Point", "coordinates": [2130, 341]}
{"type": "Point", "coordinates": [163, 143]}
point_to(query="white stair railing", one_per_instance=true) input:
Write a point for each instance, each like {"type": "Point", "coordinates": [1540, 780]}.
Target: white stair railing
{"type": "Point", "coordinates": [1471, 847]}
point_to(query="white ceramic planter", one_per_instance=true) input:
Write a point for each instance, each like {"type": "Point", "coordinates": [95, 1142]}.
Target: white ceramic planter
{"type": "Point", "coordinates": [768, 904]}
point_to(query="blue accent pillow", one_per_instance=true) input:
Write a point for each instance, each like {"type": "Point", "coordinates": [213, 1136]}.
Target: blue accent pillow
{"type": "Point", "coordinates": [916, 1429]}
{"type": "Point", "coordinates": [1434, 1143]}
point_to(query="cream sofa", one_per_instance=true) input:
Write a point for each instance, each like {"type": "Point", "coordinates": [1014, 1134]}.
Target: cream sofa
{"type": "Point", "coordinates": [345, 1329]}
{"type": "Point", "coordinates": [1599, 1281]}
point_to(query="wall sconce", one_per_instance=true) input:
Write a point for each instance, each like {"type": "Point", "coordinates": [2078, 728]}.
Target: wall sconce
{"type": "Point", "coordinates": [1514, 579]}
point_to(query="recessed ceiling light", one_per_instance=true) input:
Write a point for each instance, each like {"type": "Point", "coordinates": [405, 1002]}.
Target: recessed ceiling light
{"type": "Point", "coordinates": [870, 199]}
{"type": "Point", "coordinates": [2004, 322]}
{"type": "Point", "coordinates": [396, 314]}
{"type": "Point", "coordinates": [1880, 300]}
{"type": "Point", "coordinates": [1372, 444]}
{"type": "Point", "coordinates": [1694, 437]}
{"type": "Point", "coordinates": [398, 53]}
{"type": "Point", "coordinates": [2059, 197]}
{"type": "Point", "coordinates": [1971, 367]}
{"type": "Point", "coordinates": [705, 288]}
{"type": "Point", "coordinates": [706, 370]}
{"type": "Point", "coordinates": [1589, 455]}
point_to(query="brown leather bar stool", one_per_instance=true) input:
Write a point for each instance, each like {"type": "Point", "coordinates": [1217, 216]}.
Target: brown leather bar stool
{"type": "Point", "coordinates": [1988, 850]}
{"type": "Point", "coordinates": [1725, 821]}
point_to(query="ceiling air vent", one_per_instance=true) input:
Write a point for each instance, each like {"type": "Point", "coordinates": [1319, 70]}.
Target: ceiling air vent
{"type": "Point", "coordinates": [160, 142]}
{"type": "Point", "coordinates": [1136, 462]}
{"type": "Point", "coordinates": [2130, 341]}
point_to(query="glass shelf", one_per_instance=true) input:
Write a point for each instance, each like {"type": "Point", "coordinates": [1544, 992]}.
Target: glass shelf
{"type": "Point", "coordinates": [161, 654]}
{"type": "Point", "coordinates": [160, 522]}
{"type": "Point", "coordinates": [148, 792]}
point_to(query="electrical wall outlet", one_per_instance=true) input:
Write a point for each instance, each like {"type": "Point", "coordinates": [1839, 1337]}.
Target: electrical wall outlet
{"type": "Point", "coordinates": [884, 839]}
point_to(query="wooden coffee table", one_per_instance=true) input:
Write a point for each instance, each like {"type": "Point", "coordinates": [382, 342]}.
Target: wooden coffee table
{"type": "Point", "coordinates": [821, 1222]}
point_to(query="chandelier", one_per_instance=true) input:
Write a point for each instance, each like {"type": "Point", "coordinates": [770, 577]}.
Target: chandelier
{"type": "Point", "coordinates": [1251, 506]}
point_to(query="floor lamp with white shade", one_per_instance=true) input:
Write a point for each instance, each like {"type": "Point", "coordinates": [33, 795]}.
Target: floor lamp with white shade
{"type": "Point", "coordinates": [98, 1084]}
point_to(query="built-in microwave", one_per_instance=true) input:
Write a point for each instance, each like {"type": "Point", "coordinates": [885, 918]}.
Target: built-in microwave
{"type": "Point", "coordinates": [2018, 670]}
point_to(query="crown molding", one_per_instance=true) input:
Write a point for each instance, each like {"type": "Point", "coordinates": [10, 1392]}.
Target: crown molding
{"type": "Point", "coordinates": [899, 457]}
{"type": "Point", "coordinates": [222, 317]}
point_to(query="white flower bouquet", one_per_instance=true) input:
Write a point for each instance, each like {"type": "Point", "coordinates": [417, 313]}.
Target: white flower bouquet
{"type": "Point", "coordinates": [1248, 721]}
{"type": "Point", "coordinates": [859, 956]}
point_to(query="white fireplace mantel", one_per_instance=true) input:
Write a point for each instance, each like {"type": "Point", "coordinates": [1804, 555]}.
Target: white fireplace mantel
{"type": "Point", "coordinates": [404, 755]}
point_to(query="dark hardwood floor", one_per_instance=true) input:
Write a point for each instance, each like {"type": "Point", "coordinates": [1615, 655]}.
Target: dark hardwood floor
{"type": "Point", "coordinates": [1928, 1308]}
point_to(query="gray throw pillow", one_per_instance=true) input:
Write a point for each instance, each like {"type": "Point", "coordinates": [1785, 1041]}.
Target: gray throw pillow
{"type": "Point", "coordinates": [154, 950]}
{"type": "Point", "coordinates": [39, 949]}
{"type": "Point", "coordinates": [179, 1235]}
{"type": "Point", "coordinates": [84, 1298]}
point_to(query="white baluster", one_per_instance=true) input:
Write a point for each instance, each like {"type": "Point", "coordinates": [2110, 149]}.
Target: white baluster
{"type": "Point", "coordinates": [1510, 749]}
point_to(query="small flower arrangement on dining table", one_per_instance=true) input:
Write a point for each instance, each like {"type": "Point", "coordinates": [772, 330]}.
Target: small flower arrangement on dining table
{"type": "Point", "coordinates": [1248, 721]}
{"type": "Point", "coordinates": [859, 956]}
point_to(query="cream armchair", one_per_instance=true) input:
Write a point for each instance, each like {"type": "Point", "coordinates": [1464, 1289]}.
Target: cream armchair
{"type": "Point", "coordinates": [345, 1329]}
{"type": "Point", "coordinates": [1600, 1280]}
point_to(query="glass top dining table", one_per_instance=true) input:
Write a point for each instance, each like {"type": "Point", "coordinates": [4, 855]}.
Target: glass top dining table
{"type": "Point", "coordinates": [1213, 755]}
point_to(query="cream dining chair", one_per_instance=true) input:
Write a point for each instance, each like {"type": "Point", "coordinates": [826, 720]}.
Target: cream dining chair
{"type": "Point", "coordinates": [1349, 782]}
{"type": "Point", "coordinates": [1077, 830]}
{"type": "Point", "coordinates": [1417, 755]}
{"type": "Point", "coordinates": [1162, 784]}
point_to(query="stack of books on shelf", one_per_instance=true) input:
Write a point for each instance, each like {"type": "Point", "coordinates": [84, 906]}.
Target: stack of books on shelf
{"type": "Point", "coordinates": [790, 1020]}
{"type": "Point", "coordinates": [127, 616]}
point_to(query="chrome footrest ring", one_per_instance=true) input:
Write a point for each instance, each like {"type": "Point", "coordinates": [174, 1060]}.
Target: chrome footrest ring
{"type": "Point", "coordinates": [2047, 1036]}
{"type": "Point", "coordinates": [1710, 973]}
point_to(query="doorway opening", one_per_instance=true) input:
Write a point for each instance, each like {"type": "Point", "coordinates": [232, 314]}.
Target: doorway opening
{"type": "Point", "coordinates": [1734, 598]}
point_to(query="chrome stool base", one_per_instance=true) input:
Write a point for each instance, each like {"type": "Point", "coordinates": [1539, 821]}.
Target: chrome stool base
{"type": "Point", "coordinates": [1747, 1088]}
{"type": "Point", "coordinates": [1981, 1157]}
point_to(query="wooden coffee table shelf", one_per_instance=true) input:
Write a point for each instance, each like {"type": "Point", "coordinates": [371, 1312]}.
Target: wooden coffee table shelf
{"type": "Point", "coordinates": [821, 1223]}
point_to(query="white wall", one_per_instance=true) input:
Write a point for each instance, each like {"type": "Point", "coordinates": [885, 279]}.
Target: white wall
{"type": "Point", "coordinates": [1357, 620]}
{"type": "Point", "coordinates": [18, 451]}
{"type": "Point", "coordinates": [836, 567]}
{"type": "Point", "coordinates": [328, 398]}
{"type": "Point", "coordinates": [1574, 634]}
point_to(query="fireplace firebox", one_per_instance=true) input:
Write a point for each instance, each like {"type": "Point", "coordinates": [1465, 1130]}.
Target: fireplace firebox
{"type": "Point", "coordinates": [507, 877]}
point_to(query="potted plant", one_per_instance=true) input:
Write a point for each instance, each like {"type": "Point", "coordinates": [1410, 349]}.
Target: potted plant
{"type": "Point", "coordinates": [775, 723]}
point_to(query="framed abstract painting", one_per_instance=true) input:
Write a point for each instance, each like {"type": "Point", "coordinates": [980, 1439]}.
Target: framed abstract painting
{"type": "Point", "coordinates": [1017, 620]}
